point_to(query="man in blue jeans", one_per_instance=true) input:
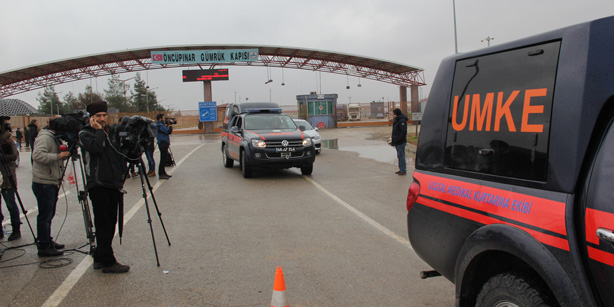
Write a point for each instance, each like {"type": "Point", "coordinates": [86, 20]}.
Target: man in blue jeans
{"type": "Point", "coordinates": [46, 175]}
{"type": "Point", "coordinates": [399, 139]}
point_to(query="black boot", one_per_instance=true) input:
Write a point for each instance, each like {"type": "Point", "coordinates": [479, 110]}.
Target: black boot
{"type": "Point", "coordinates": [49, 251]}
{"type": "Point", "coordinates": [16, 233]}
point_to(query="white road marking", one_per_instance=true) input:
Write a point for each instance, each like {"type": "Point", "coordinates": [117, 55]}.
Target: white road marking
{"type": "Point", "coordinates": [361, 215]}
{"type": "Point", "coordinates": [62, 291]}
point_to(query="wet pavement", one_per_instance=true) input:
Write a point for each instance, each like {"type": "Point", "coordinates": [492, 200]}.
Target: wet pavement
{"type": "Point", "coordinates": [368, 142]}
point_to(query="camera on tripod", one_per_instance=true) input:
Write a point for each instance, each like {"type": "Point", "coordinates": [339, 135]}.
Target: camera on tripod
{"type": "Point", "coordinates": [67, 129]}
{"type": "Point", "coordinates": [139, 133]}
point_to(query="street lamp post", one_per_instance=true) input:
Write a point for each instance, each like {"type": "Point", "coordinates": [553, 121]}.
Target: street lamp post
{"type": "Point", "coordinates": [51, 104]}
{"type": "Point", "coordinates": [488, 39]}
{"type": "Point", "coordinates": [147, 96]}
{"type": "Point", "coordinates": [124, 83]}
{"type": "Point", "coordinates": [455, 34]}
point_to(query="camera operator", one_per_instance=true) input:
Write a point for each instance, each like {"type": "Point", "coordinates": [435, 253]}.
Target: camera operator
{"type": "Point", "coordinates": [164, 142]}
{"type": "Point", "coordinates": [104, 184]}
{"type": "Point", "coordinates": [9, 155]}
{"type": "Point", "coordinates": [47, 170]}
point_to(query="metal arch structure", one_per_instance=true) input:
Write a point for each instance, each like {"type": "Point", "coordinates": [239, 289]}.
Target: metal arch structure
{"type": "Point", "coordinates": [93, 66]}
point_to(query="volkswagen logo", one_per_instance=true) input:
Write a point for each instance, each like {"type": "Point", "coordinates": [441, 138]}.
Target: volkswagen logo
{"type": "Point", "coordinates": [284, 143]}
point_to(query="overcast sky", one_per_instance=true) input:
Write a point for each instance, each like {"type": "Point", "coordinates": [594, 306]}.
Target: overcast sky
{"type": "Point", "coordinates": [413, 32]}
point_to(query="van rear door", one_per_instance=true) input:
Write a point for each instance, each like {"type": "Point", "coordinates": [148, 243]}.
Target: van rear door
{"type": "Point", "coordinates": [599, 220]}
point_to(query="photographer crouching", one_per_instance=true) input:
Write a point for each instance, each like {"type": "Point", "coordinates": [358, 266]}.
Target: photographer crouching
{"type": "Point", "coordinates": [104, 184]}
{"type": "Point", "coordinates": [164, 129]}
{"type": "Point", "coordinates": [46, 174]}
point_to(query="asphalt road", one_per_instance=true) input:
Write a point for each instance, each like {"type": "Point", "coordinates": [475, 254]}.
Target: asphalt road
{"type": "Point", "coordinates": [340, 236]}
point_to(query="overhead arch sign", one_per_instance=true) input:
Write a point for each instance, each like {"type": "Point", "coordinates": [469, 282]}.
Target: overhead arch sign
{"type": "Point", "coordinates": [204, 56]}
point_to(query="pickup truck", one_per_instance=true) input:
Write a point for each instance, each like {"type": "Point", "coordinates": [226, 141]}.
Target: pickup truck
{"type": "Point", "coordinates": [512, 198]}
{"type": "Point", "coordinates": [260, 136]}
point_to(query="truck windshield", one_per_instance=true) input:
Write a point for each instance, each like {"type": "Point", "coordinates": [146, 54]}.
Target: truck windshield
{"type": "Point", "coordinates": [269, 122]}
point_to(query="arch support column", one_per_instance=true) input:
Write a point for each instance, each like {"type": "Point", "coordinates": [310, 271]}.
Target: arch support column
{"type": "Point", "coordinates": [403, 98]}
{"type": "Point", "coordinates": [415, 100]}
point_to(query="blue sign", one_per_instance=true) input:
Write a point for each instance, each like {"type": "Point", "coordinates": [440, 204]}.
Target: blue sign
{"type": "Point", "coordinates": [204, 56]}
{"type": "Point", "coordinates": [207, 111]}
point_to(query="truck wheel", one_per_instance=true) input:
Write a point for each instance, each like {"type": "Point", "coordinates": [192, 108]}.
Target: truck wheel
{"type": "Point", "coordinates": [245, 168]}
{"type": "Point", "coordinates": [511, 289]}
{"type": "Point", "coordinates": [307, 169]}
{"type": "Point", "coordinates": [227, 161]}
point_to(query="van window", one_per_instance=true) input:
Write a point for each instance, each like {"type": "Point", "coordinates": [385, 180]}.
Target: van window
{"type": "Point", "coordinates": [500, 110]}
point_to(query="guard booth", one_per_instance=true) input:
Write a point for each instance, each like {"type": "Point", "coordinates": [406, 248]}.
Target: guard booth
{"type": "Point", "coordinates": [318, 109]}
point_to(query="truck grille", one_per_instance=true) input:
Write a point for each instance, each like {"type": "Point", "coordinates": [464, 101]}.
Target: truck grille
{"type": "Point", "coordinates": [277, 144]}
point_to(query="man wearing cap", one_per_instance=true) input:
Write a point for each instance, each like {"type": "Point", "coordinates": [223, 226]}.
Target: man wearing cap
{"type": "Point", "coordinates": [104, 184]}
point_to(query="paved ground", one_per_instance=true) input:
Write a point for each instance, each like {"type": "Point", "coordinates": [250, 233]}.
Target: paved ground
{"type": "Point", "coordinates": [340, 236]}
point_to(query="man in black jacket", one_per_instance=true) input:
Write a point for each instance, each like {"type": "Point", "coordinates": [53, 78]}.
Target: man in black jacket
{"type": "Point", "coordinates": [399, 139]}
{"type": "Point", "coordinates": [32, 132]}
{"type": "Point", "coordinates": [18, 136]}
{"type": "Point", "coordinates": [104, 184]}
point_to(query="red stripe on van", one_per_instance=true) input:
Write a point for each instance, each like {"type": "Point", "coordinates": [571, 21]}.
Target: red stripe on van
{"type": "Point", "coordinates": [601, 256]}
{"type": "Point", "coordinates": [531, 210]}
{"type": "Point", "coordinates": [486, 220]}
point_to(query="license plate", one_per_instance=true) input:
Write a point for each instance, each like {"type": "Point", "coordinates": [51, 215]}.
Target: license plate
{"type": "Point", "coordinates": [285, 149]}
{"type": "Point", "coordinates": [286, 155]}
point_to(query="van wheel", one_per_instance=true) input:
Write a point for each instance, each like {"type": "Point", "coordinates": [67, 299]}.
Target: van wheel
{"type": "Point", "coordinates": [307, 169]}
{"type": "Point", "coordinates": [245, 168]}
{"type": "Point", "coordinates": [511, 289]}
{"type": "Point", "coordinates": [227, 161]}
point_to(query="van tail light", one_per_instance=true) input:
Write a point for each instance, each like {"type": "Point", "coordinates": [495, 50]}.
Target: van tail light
{"type": "Point", "coordinates": [412, 194]}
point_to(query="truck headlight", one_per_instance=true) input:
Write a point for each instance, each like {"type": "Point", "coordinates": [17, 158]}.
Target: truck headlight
{"type": "Point", "coordinates": [258, 143]}
{"type": "Point", "coordinates": [317, 137]}
{"type": "Point", "coordinates": [307, 142]}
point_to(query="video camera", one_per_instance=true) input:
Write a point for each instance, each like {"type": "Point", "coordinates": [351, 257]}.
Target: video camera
{"type": "Point", "coordinates": [5, 137]}
{"type": "Point", "coordinates": [170, 121]}
{"type": "Point", "coordinates": [4, 126]}
{"type": "Point", "coordinates": [67, 128]}
{"type": "Point", "coordinates": [138, 134]}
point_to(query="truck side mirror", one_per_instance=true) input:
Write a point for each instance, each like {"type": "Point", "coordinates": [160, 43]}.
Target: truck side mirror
{"type": "Point", "coordinates": [302, 128]}
{"type": "Point", "coordinates": [234, 129]}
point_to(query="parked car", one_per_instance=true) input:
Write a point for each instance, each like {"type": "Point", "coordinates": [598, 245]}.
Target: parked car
{"type": "Point", "coordinates": [512, 194]}
{"type": "Point", "coordinates": [311, 132]}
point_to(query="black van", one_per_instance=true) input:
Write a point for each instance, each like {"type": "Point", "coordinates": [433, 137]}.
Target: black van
{"type": "Point", "coordinates": [512, 198]}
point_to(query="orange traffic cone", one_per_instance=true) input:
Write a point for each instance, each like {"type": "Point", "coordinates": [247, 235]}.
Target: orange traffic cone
{"type": "Point", "coordinates": [279, 290]}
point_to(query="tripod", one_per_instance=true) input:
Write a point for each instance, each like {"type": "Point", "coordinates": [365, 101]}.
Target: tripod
{"type": "Point", "coordinates": [170, 155]}
{"type": "Point", "coordinates": [142, 174]}
{"type": "Point", "coordinates": [14, 186]}
{"type": "Point", "coordinates": [82, 197]}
